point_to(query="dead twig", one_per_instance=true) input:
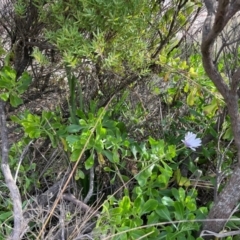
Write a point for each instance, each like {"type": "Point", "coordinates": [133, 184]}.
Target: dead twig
{"type": "Point", "coordinates": [14, 191]}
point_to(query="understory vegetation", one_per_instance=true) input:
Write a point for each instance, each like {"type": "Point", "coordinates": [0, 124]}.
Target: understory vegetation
{"type": "Point", "coordinates": [119, 119]}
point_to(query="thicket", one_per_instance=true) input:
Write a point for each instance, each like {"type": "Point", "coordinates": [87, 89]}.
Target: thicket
{"type": "Point", "coordinates": [119, 119]}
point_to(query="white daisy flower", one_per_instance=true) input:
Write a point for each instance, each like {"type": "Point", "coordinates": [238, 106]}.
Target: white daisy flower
{"type": "Point", "coordinates": [191, 141]}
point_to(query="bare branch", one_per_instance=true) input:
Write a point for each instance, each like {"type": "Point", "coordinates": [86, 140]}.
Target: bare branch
{"type": "Point", "coordinates": [91, 185]}
{"type": "Point", "coordinates": [14, 191]}
{"type": "Point", "coordinates": [229, 197]}
{"type": "Point", "coordinates": [235, 81]}
{"type": "Point", "coordinates": [82, 205]}
{"type": "Point", "coordinates": [209, 36]}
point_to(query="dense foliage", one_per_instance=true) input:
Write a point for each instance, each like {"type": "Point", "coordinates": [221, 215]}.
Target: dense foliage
{"type": "Point", "coordinates": [98, 98]}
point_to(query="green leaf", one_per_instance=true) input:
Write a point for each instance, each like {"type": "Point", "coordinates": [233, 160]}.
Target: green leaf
{"type": "Point", "coordinates": [108, 169]}
{"type": "Point", "coordinates": [5, 215]}
{"type": "Point", "coordinates": [153, 218]}
{"type": "Point", "coordinates": [179, 211]}
{"type": "Point", "coordinates": [73, 128]}
{"type": "Point", "coordinates": [191, 97]}
{"type": "Point", "coordinates": [182, 194]}
{"type": "Point", "coordinates": [71, 139]}
{"type": "Point", "coordinates": [4, 96]}
{"type": "Point", "coordinates": [6, 84]}
{"type": "Point", "coordinates": [8, 73]}
{"type": "Point", "coordinates": [211, 108]}
{"type": "Point", "coordinates": [186, 88]}
{"type": "Point", "coordinates": [190, 203]}
{"type": "Point", "coordinates": [101, 131]}
{"type": "Point", "coordinates": [228, 135]}
{"type": "Point", "coordinates": [164, 177]}
{"type": "Point", "coordinates": [143, 176]}
{"type": "Point", "coordinates": [167, 201]}
{"type": "Point", "coordinates": [137, 234]}
{"type": "Point", "coordinates": [82, 122]}
{"type": "Point", "coordinates": [79, 174]}
{"type": "Point", "coordinates": [115, 156]}
{"type": "Point", "coordinates": [89, 162]}
{"type": "Point", "coordinates": [15, 100]}
{"type": "Point", "coordinates": [24, 82]}
{"type": "Point", "coordinates": [75, 155]}
{"type": "Point", "coordinates": [175, 193]}
{"type": "Point", "coordinates": [163, 212]}
{"type": "Point", "coordinates": [149, 206]}
{"type": "Point", "coordinates": [109, 155]}
{"type": "Point", "coordinates": [125, 204]}
{"type": "Point", "coordinates": [137, 203]}
{"type": "Point", "coordinates": [33, 132]}
{"type": "Point", "coordinates": [181, 181]}
{"type": "Point", "coordinates": [171, 152]}
{"type": "Point", "coordinates": [15, 119]}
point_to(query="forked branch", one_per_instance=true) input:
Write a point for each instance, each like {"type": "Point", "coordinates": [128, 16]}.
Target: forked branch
{"type": "Point", "coordinates": [230, 195]}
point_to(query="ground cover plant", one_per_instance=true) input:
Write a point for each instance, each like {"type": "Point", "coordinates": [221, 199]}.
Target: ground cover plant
{"type": "Point", "coordinates": [119, 119]}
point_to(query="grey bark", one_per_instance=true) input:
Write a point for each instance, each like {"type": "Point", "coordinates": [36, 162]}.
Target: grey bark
{"type": "Point", "coordinates": [229, 197]}
{"type": "Point", "coordinates": [14, 191]}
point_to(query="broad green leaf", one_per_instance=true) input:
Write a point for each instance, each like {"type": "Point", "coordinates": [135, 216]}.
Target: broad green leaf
{"type": "Point", "coordinates": [182, 194]}
{"type": "Point", "coordinates": [71, 139]}
{"type": "Point", "coordinates": [5, 215]}
{"type": "Point", "coordinates": [4, 96]}
{"type": "Point", "coordinates": [167, 201]}
{"type": "Point", "coordinates": [24, 82]}
{"type": "Point", "coordinates": [179, 210]}
{"type": "Point", "coordinates": [175, 193]}
{"type": "Point", "coordinates": [101, 131]}
{"type": "Point", "coordinates": [171, 152]}
{"type": "Point", "coordinates": [137, 203]}
{"type": "Point", "coordinates": [153, 218]}
{"type": "Point", "coordinates": [228, 135]}
{"type": "Point", "coordinates": [73, 128]}
{"type": "Point", "coordinates": [149, 206]}
{"type": "Point", "coordinates": [109, 155]}
{"type": "Point", "coordinates": [125, 204]}
{"type": "Point", "coordinates": [33, 132]}
{"type": "Point", "coordinates": [143, 176]}
{"type": "Point", "coordinates": [137, 234]}
{"type": "Point", "coordinates": [6, 84]}
{"type": "Point", "coordinates": [98, 144]}
{"type": "Point", "coordinates": [75, 155]}
{"type": "Point", "coordinates": [15, 100]}
{"type": "Point", "coordinates": [8, 73]}
{"type": "Point", "coordinates": [190, 203]}
{"type": "Point", "coordinates": [82, 122]}
{"type": "Point", "coordinates": [79, 175]}
{"type": "Point", "coordinates": [163, 212]}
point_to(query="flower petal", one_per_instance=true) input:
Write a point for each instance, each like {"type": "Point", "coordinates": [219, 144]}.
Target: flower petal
{"type": "Point", "coordinates": [191, 141]}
